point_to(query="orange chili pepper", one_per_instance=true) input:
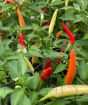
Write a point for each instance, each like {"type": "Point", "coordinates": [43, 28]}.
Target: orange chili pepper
{"type": "Point", "coordinates": [58, 34]}
{"type": "Point", "coordinates": [20, 17]}
{"type": "Point", "coordinates": [71, 69]}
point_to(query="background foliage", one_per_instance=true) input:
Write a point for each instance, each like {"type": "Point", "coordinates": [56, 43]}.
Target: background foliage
{"type": "Point", "coordinates": [17, 85]}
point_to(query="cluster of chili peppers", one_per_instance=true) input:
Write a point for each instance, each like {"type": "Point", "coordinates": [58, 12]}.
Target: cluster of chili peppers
{"type": "Point", "coordinates": [72, 66]}
{"type": "Point", "coordinates": [72, 63]}
{"type": "Point", "coordinates": [47, 71]}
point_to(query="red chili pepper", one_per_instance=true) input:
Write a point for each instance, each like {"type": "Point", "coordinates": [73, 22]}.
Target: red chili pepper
{"type": "Point", "coordinates": [21, 40]}
{"type": "Point", "coordinates": [46, 23]}
{"type": "Point", "coordinates": [46, 73]}
{"type": "Point", "coordinates": [69, 33]}
{"type": "Point", "coordinates": [59, 59]}
{"type": "Point", "coordinates": [47, 64]}
{"type": "Point", "coordinates": [61, 50]}
{"type": "Point", "coordinates": [0, 14]}
{"type": "Point", "coordinates": [44, 9]}
{"type": "Point", "coordinates": [71, 69]}
{"type": "Point", "coordinates": [9, 1]}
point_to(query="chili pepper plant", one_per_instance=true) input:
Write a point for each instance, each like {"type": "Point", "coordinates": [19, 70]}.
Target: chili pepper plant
{"type": "Point", "coordinates": [43, 52]}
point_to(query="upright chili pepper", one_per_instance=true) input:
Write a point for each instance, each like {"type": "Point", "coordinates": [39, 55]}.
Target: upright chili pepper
{"type": "Point", "coordinates": [29, 64]}
{"type": "Point", "coordinates": [9, 1]}
{"type": "Point", "coordinates": [52, 23]}
{"type": "Point", "coordinates": [66, 2]}
{"type": "Point", "coordinates": [71, 69]}
{"type": "Point", "coordinates": [69, 33]}
{"type": "Point", "coordinates": [20, 17]}
{"type": "Point", "coordinates": [46, 73]}
{"type": "Point", "coordinates": [47, 64]}
{"type": "Point", "coordinates": [21, 40]}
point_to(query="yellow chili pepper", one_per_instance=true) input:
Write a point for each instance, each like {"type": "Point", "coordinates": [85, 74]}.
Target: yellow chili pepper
{"type": "Point", "coordinates": [52, 23]}
{"type": "Point", "coordinates": [34, 60]}
{"type": "Point", "coordinates": [66, 90]}
{"type": "Point", "coordinates": [66, 2]}
{"type": "Point", "coordinates": [29, 64]}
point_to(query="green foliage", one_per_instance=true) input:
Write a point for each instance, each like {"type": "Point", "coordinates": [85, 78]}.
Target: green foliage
{"type": "Point", "coordinates": [18, 86]}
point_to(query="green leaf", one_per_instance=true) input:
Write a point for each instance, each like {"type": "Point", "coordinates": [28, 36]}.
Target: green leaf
{"type": "Point", "coordinates": [76, 6]}
{"type": "Point", "coordinates": [66, 8]}
{"type": "Point", "coordinates": [6, 7]}
{"type": "Point", "coordinates": [83, 42]}
{"type": "Point", "coordinates": [57, 42]}
{"type": "Point", "coordinates": [16, 97]}
{"type": "Point", "coordinates": [83, 98]}
{"type": "Point", "coordinates": [60, 68]}
{"type": "Point", "coordinates": [33, 96]}
{"type": "Point", "coordinates": [4, 91]}
{"type": "Point", "coordinates": [13, 69]}
{"type": "Point", "coordinates": [30, 37]}
{"type": "Point", "coordinates": [25, 101]}
{"type": "Point", "coordinates": [5, 28]}
{"type": "Point", "coordinates": [53, 54]}
{"type": "Point", "coordinates": [22, 67]}
{"type": "Point", "coordinates": [58, 102]}
{"type": "Point", "coordinates": [34, 82]}
{"type": "Point", "coordinates": [83, 70]}
{"type": "Point", "coordinates": [34, 51]}
{"type": "Point", "coordinates": [2, 76]}
{"type": "Point", "coordinates": [15, 57]}
{"type": "Point", "coordinates": [1, 49]}
{"type": "Point", "coordinates": [57, 2]}
{"type": "Point", "coordinates": [44, 91]}
{"type": "Point", "coordinates": [26, 28]}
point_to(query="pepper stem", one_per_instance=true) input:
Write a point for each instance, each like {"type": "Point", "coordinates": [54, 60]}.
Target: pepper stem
{"type": "Point", "coordinates": [67, 47]}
